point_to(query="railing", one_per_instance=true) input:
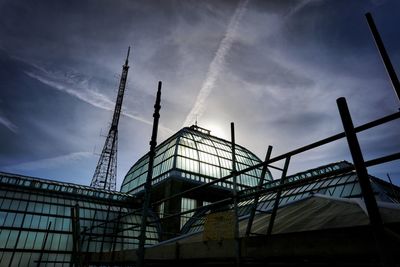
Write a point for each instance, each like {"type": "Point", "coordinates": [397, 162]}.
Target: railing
{"type": "Point", "coordinates": [257, 192]}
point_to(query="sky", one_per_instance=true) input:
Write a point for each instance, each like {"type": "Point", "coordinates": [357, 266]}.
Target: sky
{"type": "Point", "coordinates": [275, 68]}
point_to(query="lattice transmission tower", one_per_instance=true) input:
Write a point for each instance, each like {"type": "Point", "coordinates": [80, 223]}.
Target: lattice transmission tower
{"type": "Point", "coordinates": [105, 175]}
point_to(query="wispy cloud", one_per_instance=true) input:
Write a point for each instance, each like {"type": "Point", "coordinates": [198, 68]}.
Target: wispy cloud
{"type": "Point", "coordinates": [48, 163]}
{"type": "Point", "coordinates": [216, 64]}
{"type": "Point", "coordinates": [298, 7]}
{"type": "Point", "coordinates": [8, 124]}
{"type": "Point", "coordinates": [89, 96]}
{"type": "Point", "coordinates": [68, 85]}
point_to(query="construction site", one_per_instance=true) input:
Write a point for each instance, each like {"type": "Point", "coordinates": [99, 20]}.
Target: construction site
{"type": "Point", "coordinates": [196, 199]}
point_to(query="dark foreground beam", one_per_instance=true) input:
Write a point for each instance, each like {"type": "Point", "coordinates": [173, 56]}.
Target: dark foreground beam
{"type": "Point", "coordinates": [350, 246]}
{"type": "Point", "coordinates": [384, 55]}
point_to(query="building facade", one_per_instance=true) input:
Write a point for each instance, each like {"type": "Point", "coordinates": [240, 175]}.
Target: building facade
{"type": "Point", "coordinates": [37, 221]}
{"type": "Point", "coordinates": [49, 223]}
{"type": "Point", "coordinates": [187, 159]}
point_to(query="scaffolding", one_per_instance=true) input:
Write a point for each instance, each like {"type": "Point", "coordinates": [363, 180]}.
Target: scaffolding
{"type": "Point", "coordinates": [118, 238]}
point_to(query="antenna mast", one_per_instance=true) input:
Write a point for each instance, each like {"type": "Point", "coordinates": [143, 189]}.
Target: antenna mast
{"type": "Point", "coordinates": [105, 175]}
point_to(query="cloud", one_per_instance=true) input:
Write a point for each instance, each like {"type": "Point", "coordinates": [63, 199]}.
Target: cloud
{"type": "Point", "coordinates": [216, 64]}
{"type": "Point", "coordinates": [91, 97]}
{"type": "Point", "coordinates": [72, 84]}
{"type": "Point", "coordinates": [49, 163]}
{"type": "Point", "coordinates": [298, 7]}
{"type": "Point", "coordinates": [8, 124]}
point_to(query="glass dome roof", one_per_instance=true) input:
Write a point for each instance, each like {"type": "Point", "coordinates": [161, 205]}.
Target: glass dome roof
{"type": "Point", "coordinates": [194, 154]}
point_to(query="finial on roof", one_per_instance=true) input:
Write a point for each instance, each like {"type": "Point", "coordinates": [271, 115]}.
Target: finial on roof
{"type": "Point", "coordinates": [200, 129]}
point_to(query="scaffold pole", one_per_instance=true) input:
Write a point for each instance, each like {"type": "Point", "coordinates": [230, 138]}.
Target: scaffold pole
{"type": "Point", "coordinates": [147, 187]}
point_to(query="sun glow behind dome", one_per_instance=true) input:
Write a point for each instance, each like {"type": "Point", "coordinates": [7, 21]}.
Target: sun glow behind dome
{"type": "Point", "coordinates": [218, 130]}
{"type": "Point", "coordinates": [193, 154]}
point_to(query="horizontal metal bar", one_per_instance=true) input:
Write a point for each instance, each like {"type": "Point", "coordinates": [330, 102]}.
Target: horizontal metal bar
{"type": "Point", "coordinates": [384, 159]}
{"type": "Point", "coordinates": [268, 211]}
{"type": "Point", "coordinates": [288, 154]}
{"type": "Point", "coordinates": [373, 162]}
{"type": "Point", "coordinates": [276, 168]}
{"type": "Point", "coordinates": [219, 202]}
{"type": "Point", "coordinates": [46, 261]}
{"type": "Point", "coordinates": [257, 234]}
{"type": "Point", "coordinates": [285, 186]}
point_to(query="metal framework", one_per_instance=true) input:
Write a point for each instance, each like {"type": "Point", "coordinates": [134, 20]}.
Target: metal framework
{"type": "Point", "coordinates": [146, 203]}
{"type": "Point", "coordinates": [105, 174]}
{"type": "Point", "coordinates": [102, 223]}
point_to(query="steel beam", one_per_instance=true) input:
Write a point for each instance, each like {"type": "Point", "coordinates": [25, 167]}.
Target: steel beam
{"type": "Point", "coordinates": [39, 261]}
{"type": "Point", "coordinates": [235, 196]}
{"type": "Point", "coordinates": [384, 55]}
{"type": "Point", "coordinates": [362, 174]}
{"type": "Point", "coordinates": [297, 151]}
{"type": "Point", "coordinates": [277, 197]}
{"type": "Point", "coordinates": [147, 188]}
{"type": "Point", "coordinates": [259, 187]}
{"type": "Point", "coordinates": [76, 237]}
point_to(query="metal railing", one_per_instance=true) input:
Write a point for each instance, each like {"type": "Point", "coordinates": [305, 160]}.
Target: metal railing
{"type": "Point", "coordinates": [231, 202]}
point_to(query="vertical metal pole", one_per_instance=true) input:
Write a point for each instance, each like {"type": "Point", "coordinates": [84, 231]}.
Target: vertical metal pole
{"type": "Point", "coordinates": [363, 179]}
{"type": "Point", "coordinates": [73, 226]}
{"type": "Point", "coordinates": [91, 232]}
{"type": "Point", "coordinates": [359, 165]}
{"type": "Point", "coordinates": [115, 233]}
{"type": "Point", "coordinates": [43, 245]}
{"type": "Point", "coordinates": [235, 198]}
{"type": "Point", "coordinates": [384, 55]}
{"type": "Point", "coordinates": [19, 235]}
{"type": "Point", "coordinates": [105, 229]}
{"type": "Point", "coordinates": [83, 233]}
{"type": "Point", "coordinates": [277, 197]}
{"type": "Point", "coordinates": [76, 244]}
{"type": "Point", "coordinates": [147, 187]}
{"type": "Point", "coordinates": [259, 187]}
{"type": "Point", "coordinates": [392, 187]}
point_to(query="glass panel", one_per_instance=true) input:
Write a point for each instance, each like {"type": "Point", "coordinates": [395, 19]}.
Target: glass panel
{"type": "Point", "coordinates": [187, 204]}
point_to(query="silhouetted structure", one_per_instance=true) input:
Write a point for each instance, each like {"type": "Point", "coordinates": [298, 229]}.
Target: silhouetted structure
{"type": "Point", "coordinates": [188, 158]}
{"type": "Point", "coordinates": [195, 187]}
{"type": "Point", "coordinates": [105, 174]}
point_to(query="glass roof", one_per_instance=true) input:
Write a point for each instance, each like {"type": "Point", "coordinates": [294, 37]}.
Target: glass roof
{"type": "Point", "coordinates": [194, 154]}
{"type": "Point", "coordinates": [50, 185]}
{"type": "Point", "coordinates": [331, 184]}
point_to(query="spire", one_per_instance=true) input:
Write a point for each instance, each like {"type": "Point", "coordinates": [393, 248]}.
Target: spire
{"type": "Point", "coordinates": [105, 175]}
{"type": "Point", "coordinates": [127, 56]}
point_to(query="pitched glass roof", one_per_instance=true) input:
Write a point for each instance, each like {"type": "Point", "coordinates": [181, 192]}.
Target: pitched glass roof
{"type": "Point", "coordinates": [194, 154]}
{"type": "Point", "coordinates": [62, 187]}
{"type": "Point", "coordinates": [331, 183]}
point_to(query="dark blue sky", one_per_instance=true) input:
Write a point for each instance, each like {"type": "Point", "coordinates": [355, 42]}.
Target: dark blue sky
{"type": "Point", "coordinates": [275, 68]}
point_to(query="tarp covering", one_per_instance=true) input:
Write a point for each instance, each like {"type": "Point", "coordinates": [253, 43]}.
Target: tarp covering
{"type": "Point", "coordinates": [320, 212]}
{"type": "Point", "coordinates": [316, 212]}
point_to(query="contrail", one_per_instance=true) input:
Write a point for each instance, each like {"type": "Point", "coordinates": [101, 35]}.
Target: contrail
{"type": "Point", "coordinates": [7, 123]}
{"type": "Point", "coordinates": [91, 97]}
{"type": "Point", "coordinates": [216, 64]}
{"type": "Point", "coordinates": [48, 163]}
{"type": "Point", "coordinates": [297, 7]}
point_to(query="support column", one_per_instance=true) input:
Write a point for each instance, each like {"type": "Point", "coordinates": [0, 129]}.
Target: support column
{"type": "Point", "coordinates": [363, 179]}
{"type": "Point", "coordinates": [171, 226]}
{"type": "Point", "coordinates": [147, 187]}
{"type": "Point", "coordinates": [235, 197]}
{"type": "Point", "coordinates": [278, 197]}
{"type": "Point", "coordinates": [384, 55]}
{"type": "Point", "coordinates": [76, 240]}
